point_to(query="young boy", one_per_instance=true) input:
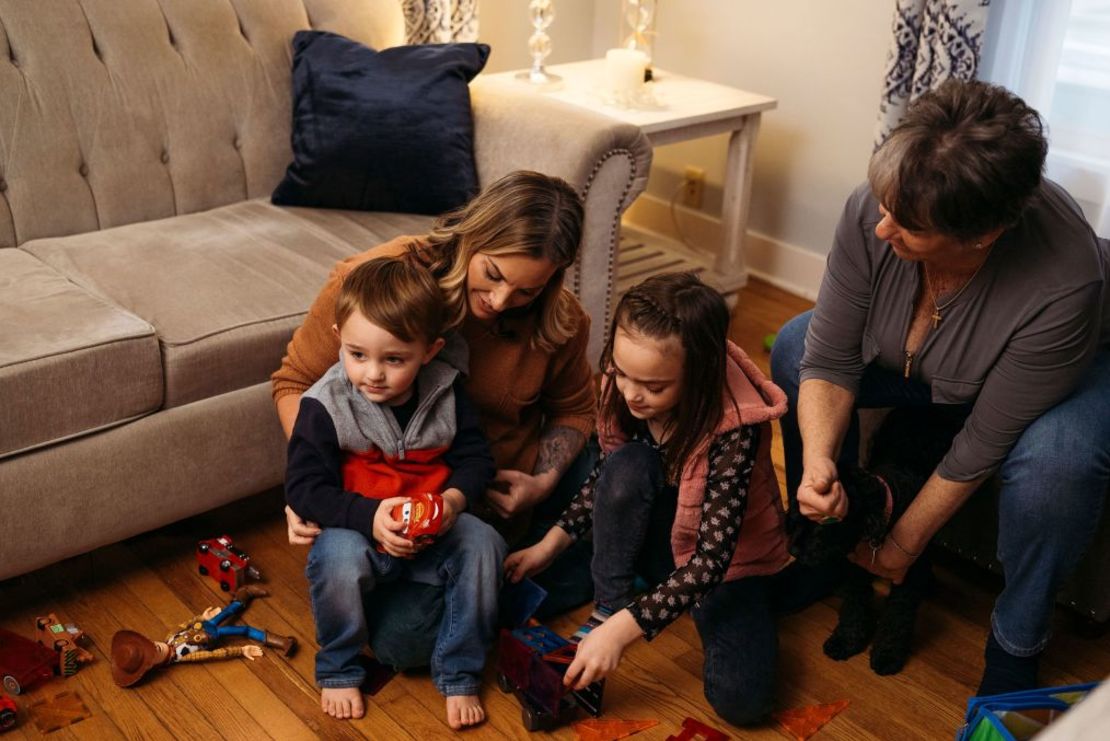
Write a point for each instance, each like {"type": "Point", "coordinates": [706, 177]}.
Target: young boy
{"type": "Point", "coordinates": [389, 421]}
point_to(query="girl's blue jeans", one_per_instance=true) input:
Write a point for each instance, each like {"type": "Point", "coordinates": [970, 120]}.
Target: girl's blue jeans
{"type": "Point", "coordinates": [1054, 482]}
{"type": "Point", "coordinates": [344, 569]}
{"type": "Point", "coordinates": [634, 508]}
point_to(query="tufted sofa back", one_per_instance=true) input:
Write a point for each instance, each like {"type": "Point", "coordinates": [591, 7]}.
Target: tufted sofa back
{"type": "Point", "coordinates": [118, 111]}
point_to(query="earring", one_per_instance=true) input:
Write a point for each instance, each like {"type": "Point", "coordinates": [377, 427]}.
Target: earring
{"type": "Point", "coordinates": [978, 245]}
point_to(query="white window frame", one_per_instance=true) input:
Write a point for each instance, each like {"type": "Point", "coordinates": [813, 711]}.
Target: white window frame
{"type": "Point", "coordinates": [1022, 50]}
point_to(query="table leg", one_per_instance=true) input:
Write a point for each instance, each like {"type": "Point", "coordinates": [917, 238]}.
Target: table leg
{"type": "Point", "coordinates": [731, 264]}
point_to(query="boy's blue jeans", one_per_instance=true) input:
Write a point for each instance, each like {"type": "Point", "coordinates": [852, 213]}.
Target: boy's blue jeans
{"type": "Point", "coordinates": [1054, 482]}
{"type": "Point", "coordinates": [403, 633]}
{"type": "Point", "coordinates": [344, 567]}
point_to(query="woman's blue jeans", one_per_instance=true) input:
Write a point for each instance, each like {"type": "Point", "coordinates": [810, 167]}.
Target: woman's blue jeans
{"type": "Point", "coordinates": [1054, 482]}
{"type": "Point", "coordinates": [344, 568]}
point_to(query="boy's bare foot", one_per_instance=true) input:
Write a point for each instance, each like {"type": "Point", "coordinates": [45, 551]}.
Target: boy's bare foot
{"type": "Point", "coordinates": [464, 710]}
{"type": "Point", "coordinates": [342, 702]}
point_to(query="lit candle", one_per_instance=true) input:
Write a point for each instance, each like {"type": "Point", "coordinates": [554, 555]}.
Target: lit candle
{"type": "Point", "coordinates": [624, 70]}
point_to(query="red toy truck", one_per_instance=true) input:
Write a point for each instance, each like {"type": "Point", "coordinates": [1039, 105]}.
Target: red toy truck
{"type": "Point", "coordinates": [23, 662]}
{"type": "Point", "coordinates": [531, 664]}
{"type": "Point", "coordinates": [227, 564]}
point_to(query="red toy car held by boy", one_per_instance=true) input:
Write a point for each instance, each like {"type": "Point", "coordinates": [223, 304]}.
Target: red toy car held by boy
{"type": "Point", "coordinates": [23, 663]}
{"type": "Point", "coordinates": [228, 565]}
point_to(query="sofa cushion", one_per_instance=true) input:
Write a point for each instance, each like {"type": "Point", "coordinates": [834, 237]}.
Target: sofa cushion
{"type": "Point", "coordinates": [225, 288]}
{"type": "Point", "coordinates": [386, 130]}
{"type": "Point", "coordinates": [117, 111]}
{"type": "Point", "coordinates": [70, 362]}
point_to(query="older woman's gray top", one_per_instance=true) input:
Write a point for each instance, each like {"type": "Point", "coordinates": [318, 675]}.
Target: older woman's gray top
{"type": "Point", "coordinates": [1014, 343]}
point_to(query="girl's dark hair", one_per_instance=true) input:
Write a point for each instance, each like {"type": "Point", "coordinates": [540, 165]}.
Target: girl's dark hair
{"type": "Point", "coordinates": [676, 305]}
{"type": "Point", "coordinates": [965, 160]}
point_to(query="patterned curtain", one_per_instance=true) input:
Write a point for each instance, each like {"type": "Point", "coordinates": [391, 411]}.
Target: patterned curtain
{"type": "Point", "coordinates": [440, 21]}
{"type": "Point", "coordinates": [934, 40]}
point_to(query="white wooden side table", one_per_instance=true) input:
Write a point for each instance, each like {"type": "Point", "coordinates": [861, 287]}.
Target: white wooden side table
{"type": "Point", "coordinates": [687, 108]}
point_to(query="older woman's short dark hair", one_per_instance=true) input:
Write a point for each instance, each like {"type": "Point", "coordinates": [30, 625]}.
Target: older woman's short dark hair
{"type": "Point", "coordinates": [965, 160]}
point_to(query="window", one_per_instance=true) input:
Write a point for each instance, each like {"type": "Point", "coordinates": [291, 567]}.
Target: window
{"type": "Point", "coordinates": [1056, 55]}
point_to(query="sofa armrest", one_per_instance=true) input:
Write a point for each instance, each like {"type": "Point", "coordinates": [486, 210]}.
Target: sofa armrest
{"type": "Point", "coordinates": [605, 160]}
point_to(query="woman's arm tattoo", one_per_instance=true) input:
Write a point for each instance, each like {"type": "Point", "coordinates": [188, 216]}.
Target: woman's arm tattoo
{"type": "Point", "coordinates": [558, 447]}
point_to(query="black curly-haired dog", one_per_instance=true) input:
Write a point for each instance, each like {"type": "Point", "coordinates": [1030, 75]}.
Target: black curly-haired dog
{"type": "Point", "coordinates": [907, 448]}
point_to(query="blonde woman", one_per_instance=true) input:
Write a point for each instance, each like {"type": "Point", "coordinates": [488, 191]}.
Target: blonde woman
{"type": "Point", "coordinates": [500, 261]}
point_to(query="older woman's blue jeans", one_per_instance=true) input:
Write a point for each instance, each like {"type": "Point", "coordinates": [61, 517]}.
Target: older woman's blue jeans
{"type": "Point", "coordinates": [1054, 482]}
{"type": "Point", "coordinates": [344, 569]}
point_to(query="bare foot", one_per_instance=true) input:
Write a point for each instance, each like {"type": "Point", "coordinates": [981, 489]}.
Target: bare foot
{"type": "Point", "coordinates": [464, 710]}
{"type": "Point", "coordinates": [342, 702]}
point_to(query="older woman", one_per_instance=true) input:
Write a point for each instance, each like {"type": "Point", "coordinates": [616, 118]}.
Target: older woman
{"type": "Point", "coordinates": [500, 260]}
{"type": "Point", "coordinates": [960, 277]}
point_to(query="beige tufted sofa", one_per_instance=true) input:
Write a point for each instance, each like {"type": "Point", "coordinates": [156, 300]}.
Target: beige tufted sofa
{"type": "Point", "coordinates": [147, 285]}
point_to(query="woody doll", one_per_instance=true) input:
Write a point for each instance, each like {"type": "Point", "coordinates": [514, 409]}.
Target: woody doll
{"type": "Point", "coordinates": [133, 655]}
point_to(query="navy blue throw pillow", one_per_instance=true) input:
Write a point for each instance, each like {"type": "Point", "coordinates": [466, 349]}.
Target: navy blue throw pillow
{"type": "Point", "coordinates": [386, 130]}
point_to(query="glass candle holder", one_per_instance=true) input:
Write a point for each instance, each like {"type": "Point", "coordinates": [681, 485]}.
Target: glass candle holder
{"type": "Point", "coordinates": [638, 28]}
{"type": "Point", "coordinates": [542, 13]}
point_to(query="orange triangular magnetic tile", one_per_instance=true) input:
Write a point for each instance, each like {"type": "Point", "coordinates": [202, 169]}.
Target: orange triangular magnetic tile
{"type": "Point", "coordinates": [802, 723]}
{"type": "Point", "coordinates": [610, 730]}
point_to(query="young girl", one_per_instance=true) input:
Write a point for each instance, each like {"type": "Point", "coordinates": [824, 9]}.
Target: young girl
{"type": "Point", "coordinates": [685, 495]}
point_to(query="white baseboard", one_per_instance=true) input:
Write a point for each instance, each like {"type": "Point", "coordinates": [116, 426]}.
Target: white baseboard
{"type": "Point", "coordinates": [786, 266]}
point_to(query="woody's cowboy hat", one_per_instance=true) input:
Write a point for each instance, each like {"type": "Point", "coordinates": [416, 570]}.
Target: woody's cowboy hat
{"type": "Point", "coordinates": [133, 655]}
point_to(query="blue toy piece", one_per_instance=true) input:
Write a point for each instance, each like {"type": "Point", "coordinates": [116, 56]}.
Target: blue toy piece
{"type": "Point", "coordinates": [204, 632]}
{"type": "Point", "coordinates": [216, 631]}
{"type": "Point", "coordinates": [540, 638]}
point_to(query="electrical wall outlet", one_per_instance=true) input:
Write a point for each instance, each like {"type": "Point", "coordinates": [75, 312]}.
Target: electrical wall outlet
{"type": "Point", "coordinates": [693, 186]}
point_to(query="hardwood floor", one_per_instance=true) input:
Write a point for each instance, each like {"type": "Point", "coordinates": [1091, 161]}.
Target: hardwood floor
{"type": "Point", "coordinates": [149, 584]}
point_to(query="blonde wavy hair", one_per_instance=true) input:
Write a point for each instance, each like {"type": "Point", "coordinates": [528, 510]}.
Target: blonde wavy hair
{"type": "Point", "coordinates": [524, 213]}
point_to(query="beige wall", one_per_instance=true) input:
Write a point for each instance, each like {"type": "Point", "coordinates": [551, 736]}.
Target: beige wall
{"type": "Point", "coordinates": [822, 60]}
{"type": "Point", "coordinates": [505, 26]}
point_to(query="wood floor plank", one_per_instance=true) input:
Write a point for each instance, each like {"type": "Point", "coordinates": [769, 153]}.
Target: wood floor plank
{"type": "Point", "coordinates": [186, 698]}
{"type": "Point", "coordinates": [422, 691]}
{"type": "Point", "coordinates": [88, 685]}
{"type": "Point", "coordinates": [415, 717]}
{"type": "Point", "coordinates": [290, 679]}
{"type": "Point", "coordinates": [261, 706]}
{"type": "Point", "coordinates": [161, 702]}
{"type": "Point", "coordinates": [51, 592]}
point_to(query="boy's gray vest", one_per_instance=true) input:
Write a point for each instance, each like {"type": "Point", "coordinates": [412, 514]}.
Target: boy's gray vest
{"type": "Point", "coordinates": [362, 425]}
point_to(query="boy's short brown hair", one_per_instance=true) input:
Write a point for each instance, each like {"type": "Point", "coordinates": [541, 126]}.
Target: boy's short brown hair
{"type": "Point", "coordinates": [396, 294]}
